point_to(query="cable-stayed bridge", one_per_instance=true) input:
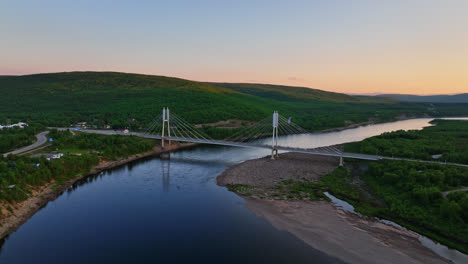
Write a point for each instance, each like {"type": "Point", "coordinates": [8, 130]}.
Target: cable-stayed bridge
{"type": "Point", "coordinates": [265, 134]}
{"type": "Point", "coordinates": [268, 133]}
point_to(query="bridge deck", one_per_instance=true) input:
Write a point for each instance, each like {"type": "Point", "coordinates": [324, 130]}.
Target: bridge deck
{"type": "Point", "coordinates": [324, 151]}
{"type": "Point", "coordinates": [316, 151]}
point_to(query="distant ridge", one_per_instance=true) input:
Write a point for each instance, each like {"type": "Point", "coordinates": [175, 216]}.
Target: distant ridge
{"type": "Point", "coordinates": [114, 98]}
{"type": "Point", "coordinates": [456, 98]}
{"type": "Point", "coordinates": [287, 92]}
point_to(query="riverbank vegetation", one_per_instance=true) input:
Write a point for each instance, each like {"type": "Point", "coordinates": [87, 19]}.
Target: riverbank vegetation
{"type": "Point", "coordinates": [21, 175]}
{"type": "Point", "coordinates": [108, 147]}
{"type": "Point", "coordinates": [447, 140]}
{"type": "Point", "coordinates": [410, 194]}
{"type": "Point", "coordinates": [131, 100]}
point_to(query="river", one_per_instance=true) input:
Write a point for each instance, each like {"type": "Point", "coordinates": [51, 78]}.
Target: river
{"type": "Point", "coordinates": [169, 210]}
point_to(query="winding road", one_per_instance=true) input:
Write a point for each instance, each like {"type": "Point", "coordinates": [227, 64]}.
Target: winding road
{"type": "Point", "coordinates": [41, 139]}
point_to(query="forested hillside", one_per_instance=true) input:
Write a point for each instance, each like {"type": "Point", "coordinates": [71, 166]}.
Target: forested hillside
{"type": "Point", "coordinates": [446, 141]}
{"type": "Point", "coordinates": [110, 98]}
{"type": "Point", "coordinates": [13, 138]}
{"type": "Point", "coordinates": [456, 98]}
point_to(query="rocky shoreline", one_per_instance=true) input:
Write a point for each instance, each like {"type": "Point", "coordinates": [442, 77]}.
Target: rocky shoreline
{"type": "Point", "coordinates": [27, 208]}
{"type": "Point", "coordinates": [320, 224]}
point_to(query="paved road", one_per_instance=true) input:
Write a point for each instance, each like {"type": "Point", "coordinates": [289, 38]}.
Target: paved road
{"type": "Point", "coordinates": [444, 194]}
{"type": "Point", "coordinates": [41, 139]}
{"type": "Point", "coordinates": [94, 131]}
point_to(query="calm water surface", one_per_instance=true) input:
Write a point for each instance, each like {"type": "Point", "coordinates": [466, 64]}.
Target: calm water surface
{"type": "Point", "coordinates": [168, 210]}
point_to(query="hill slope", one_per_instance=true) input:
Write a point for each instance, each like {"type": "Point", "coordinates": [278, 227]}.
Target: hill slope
{"type": "Point", "coordinates": [281, 92]}
{"type": "Point", "coordinates": [59, 99]}
{"type": "Point", "coordinates": [456, 98]}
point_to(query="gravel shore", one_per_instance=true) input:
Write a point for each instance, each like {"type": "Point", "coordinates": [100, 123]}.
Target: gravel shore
{"type": "Point", "coordinates": [349, 237]}
{"type": "Point", "coordinates": [266, 173]}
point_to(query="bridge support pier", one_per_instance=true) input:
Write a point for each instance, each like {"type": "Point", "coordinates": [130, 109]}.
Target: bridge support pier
{"type": "Point", "coordinates": [165, 119]}
{"type": "Point", "coordinates": [274, 154]}
{"type": "Point", "coordinates": [341, 161]}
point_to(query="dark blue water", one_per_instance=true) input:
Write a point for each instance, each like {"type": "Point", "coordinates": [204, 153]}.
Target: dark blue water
{"type": "Point", "coordinates": [155, 210]}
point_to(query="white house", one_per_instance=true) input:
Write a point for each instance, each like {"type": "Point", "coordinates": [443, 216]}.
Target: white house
{"type": "Point", "coordinates": [54, 156]}
{"type": "Point", "coordinates": [20, 125]}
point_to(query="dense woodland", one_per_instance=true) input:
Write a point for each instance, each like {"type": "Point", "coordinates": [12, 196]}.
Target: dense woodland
{"type": "Point", "coordinates": [109, 147]}
{"type": "Point", "coordinates": [20, 174]}
{"type": "Point", "coordinates": [412, 196]}
{"type": "Point", "coordinates": [106, 98]}
{"type": "Point", "coordinates": [447, 137]}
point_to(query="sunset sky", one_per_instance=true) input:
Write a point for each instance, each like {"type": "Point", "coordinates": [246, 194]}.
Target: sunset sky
{"type": "Point", "coordinates": [351, 46]}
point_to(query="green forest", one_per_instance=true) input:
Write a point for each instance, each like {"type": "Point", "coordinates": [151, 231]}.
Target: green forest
{"type": "Point", "coordinates": [109, 147]}
{"type": "Point", "coordinates": [13, 138]}
{"type": "Point", "coordinates": [448, 138]}
{"type": "Point", "coordinates": [110, 98]}
{"type": "Point", "coordinates": [410, 194]}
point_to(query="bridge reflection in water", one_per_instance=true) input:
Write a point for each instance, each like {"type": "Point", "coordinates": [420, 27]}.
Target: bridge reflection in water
{"type": "Point", "coordinates": [166, 170]}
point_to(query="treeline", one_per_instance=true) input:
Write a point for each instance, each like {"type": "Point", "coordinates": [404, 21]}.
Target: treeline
{"type": "Point", "coordinates": [412, 195]}
{"type": "Point", "coordinates": [109, 147]}
{"type": "Point", "coordinates": [20, 174]}
{"type": "Point", "coordinates": [15, 137]}
{"type": "Point", "coordinates": [448, 138]}
{"type": "Point", "coordinates": [115, 99]}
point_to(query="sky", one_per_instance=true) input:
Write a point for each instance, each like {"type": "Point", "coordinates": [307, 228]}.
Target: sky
{"type": "Point", "coordinates": [349, 46]}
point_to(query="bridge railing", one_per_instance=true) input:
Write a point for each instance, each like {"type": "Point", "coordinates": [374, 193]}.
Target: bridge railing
{"type": "Point", "coordinates": [269, 132]}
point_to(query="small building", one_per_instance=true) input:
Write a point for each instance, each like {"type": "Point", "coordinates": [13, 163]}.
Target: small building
{"type": "Point", "coordinates": [81, 124]}
{"type": "Point", "coordinates": [51, 156]}
{"type": "Point", "coordinates": [19, 124]}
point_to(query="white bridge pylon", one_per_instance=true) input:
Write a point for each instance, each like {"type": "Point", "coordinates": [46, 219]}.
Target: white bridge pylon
{"type": "Point", "coordinates": [170, 127]}
{"type": "Point", "coordinates": [274, 138]}
{"type": "Point", "coordinates": [165, 120]}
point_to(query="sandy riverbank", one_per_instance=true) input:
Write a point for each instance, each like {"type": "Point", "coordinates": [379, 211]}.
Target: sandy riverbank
{"type": "Point", "coordinates": [22, 211]}
{"type": "Point", "coordinates": [346, 236]}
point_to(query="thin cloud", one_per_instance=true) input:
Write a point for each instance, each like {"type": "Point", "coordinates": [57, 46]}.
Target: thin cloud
{"type": "Point", "coordinates": [296, 79]}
